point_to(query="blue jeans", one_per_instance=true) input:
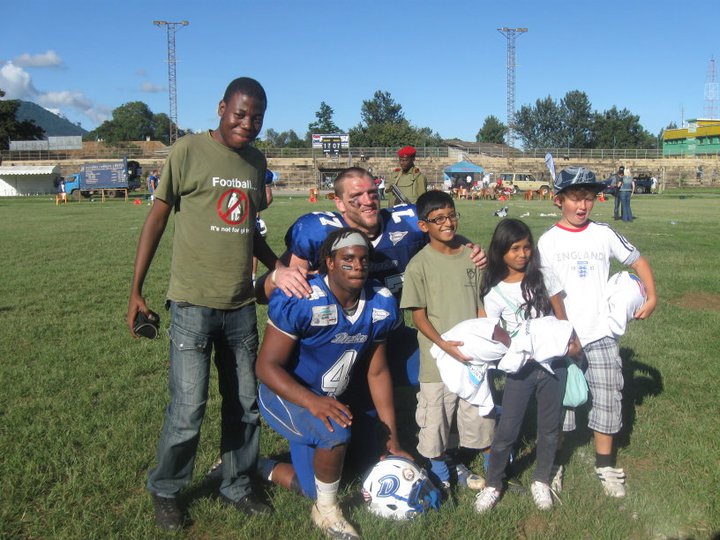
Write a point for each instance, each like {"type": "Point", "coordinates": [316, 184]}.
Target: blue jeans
{"type": "Point", "coordinates": [194, 332]}
{"type": "Point", "coordinates": [625, 203]}
{"type": "Point", "coordinates": [549, 390]}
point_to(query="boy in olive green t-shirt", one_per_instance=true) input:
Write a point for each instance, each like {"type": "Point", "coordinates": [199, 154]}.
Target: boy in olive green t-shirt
{"type": "Point", "coordinates": [441, 289]}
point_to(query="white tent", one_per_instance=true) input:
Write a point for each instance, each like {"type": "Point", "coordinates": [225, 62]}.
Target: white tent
{"type": "Point", "coordinates": [27, 180]}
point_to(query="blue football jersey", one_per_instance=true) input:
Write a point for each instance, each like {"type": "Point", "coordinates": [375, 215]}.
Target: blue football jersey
{"type": "Point", "coordinates": [399, 240]}
{"type": "Point", "coordinates": [329, 341]}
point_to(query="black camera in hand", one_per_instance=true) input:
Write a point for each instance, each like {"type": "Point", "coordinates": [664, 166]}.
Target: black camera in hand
{"type": "Point", "coordinates": [147, 326]}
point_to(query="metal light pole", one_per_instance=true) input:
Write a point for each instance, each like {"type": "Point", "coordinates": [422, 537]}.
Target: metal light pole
{"type": "Point", "coordinates": [510, 34]}
{"type": "Point", "coordinates": [171, 26]}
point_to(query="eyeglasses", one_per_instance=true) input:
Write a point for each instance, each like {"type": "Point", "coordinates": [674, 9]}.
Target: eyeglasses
{"type": "Point", "coordinates": [442, 219]}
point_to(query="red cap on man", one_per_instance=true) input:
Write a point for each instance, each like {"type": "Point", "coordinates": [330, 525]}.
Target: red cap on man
{"type": "Point", "coordinates": [406, 151]}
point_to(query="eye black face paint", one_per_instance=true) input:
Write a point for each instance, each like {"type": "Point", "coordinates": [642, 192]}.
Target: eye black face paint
{"type": "Point", "coordinates": [346, 267]}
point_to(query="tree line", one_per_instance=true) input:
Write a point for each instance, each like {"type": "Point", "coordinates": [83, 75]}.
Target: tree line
{"type": "Point", "coordinates": [549, 123]}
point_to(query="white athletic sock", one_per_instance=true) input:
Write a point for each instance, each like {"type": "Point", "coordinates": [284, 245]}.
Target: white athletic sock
{"type": "Point", "coordinates": [326, 493]}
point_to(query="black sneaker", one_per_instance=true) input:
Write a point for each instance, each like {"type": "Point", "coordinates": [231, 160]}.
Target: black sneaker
{"type": "Point", "coordinates": [515, 486]}
{"type": "Point", "coordinates": [248, 505]}
{"type": "Point", "coordinates": [168, 514]}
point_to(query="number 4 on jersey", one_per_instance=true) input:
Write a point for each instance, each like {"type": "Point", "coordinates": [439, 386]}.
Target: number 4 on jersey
{"type": "Point", "coordinates": [336, 379]}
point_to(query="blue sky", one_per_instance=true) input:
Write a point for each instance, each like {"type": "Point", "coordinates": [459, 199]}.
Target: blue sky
{"type": "Point", "coordinates": [443, 61]}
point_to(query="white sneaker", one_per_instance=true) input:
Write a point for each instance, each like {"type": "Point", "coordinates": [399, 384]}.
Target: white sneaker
{"type": "Point", "coordinates": [613, 481]}
{"type": "Point", "coordinates": [467, 478]}
{"type": "Point", "coordinates": [556, 475]}
{"type": "Point", "coordinates": [487, 499]}
{"type": "Point", "coordinates": [332, 523]}
{"type": "Point", "coordinates": [541, 495]}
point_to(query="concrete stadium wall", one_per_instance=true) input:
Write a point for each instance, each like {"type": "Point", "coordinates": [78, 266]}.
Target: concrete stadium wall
{"type": "Point", "coordinates": [302, 173]}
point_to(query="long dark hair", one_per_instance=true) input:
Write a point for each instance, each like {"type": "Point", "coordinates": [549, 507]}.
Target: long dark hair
{"type": "Point", "coordinates": [507, 232]}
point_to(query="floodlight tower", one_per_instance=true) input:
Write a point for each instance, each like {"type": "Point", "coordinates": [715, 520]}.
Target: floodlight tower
{"type": "Point", "coordinates": [171, 27]}
{"type": "Point", "coordinates": [510, 34]}
{"type": "Point", "coordinates": [712, 93]}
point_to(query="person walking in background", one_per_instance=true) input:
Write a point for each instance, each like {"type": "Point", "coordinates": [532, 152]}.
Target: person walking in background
{"type": "Point", "coordinates": [210, 297]}
{"type": "Point", "coordinates": [616, 181]}
{"type": "Point", "coordinates": [61, 195]}
{"type": "Point", "coordinates": [381, 188]}
{"type": "Point", "coordinates": [407, 178]}
{"type": "Point", "coordinates": [626, 188]}
{"type": "Point", "coordinates": [152, 184]}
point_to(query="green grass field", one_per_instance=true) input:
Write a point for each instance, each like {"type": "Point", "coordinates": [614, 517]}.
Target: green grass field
{"type": "Point", "coordinates": [82, 403]}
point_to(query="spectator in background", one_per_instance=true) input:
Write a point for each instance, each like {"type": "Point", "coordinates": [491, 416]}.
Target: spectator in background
{"type": "Point", "coordinates": [616, 181]}
{"type": "Point", "coordinates": [61, 196]}
{"type": "Point", "coordinates": [407, 178]}
{"type": "Point", "coordinates": [626, 187]}
{"type": "Point", "coordinates": [152, 184]}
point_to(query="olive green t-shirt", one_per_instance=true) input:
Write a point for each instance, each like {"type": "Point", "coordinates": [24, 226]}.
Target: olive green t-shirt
{"type": "Point", "coordinates": [447, 286]}
{"type": "Point", "coordinates": [216, 193]}
{"type": "Point", "coordinates": [412, 184]}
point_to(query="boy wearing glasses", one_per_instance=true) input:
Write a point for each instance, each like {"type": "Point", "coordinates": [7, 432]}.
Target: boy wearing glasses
{"type": "Point", "coordinates": [441, 289]}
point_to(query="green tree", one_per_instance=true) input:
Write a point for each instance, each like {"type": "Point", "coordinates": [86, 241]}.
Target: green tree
{"type": "Point", "coordinates": [134, 121]}
{"type": "Point", "coordinates": [620, 129]}
{"type": "Point", "coordinates": [540, 126]}
{"type": "Point", "coordinates": [549, 124]}
{"type": "Point", "coordinates": [284, 139]}
{"type": "Point", "coordinates": [492, 131]}
{"type": "Point", "coordinates": [11, 129]}
{"type": "Point", "coordinates": [161, 128]}
{"type": "Point", "coordinates": [577, 119]}
{"type": "Point", "coordinates": [381, 109]}
{"type": "Point", "coordinates": [384, 125]}
{"type": "Point", "coordinates": [323, 123]}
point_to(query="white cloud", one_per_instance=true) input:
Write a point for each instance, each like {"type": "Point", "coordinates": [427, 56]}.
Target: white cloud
{"type": "Point", "coordinates": [48, 59]}
{"type": "Point", "coordinates": [151, 88]}
{"type": "Point", "coordinates": [17, 84]}
{"type": "Point", "coordinates": [77, 101]}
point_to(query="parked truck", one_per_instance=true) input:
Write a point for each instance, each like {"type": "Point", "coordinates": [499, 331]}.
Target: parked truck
{"type": "Point", "coordinates": [114, 177]}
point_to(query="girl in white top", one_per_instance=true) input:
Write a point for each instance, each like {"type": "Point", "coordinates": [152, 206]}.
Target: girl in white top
{"type": "Point", "coordinates": [514, 289]}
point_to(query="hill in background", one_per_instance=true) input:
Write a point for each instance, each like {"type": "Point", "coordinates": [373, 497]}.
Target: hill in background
{"type": "Point", "coordinates": [54, 125]}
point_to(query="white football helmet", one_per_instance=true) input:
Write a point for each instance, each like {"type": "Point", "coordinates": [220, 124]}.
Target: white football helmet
{"type": "Point", "coordinates": [397, 488]}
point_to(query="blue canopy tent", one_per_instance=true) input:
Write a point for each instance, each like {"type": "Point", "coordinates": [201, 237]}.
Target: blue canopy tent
{"type": "Point", "coordinates": [460, 170]}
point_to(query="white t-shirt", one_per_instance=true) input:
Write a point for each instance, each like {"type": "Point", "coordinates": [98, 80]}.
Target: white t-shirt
{"type": "Point", "coordinates": [505, 299]}
{"type": "Point", "coordinates": [580, 260]}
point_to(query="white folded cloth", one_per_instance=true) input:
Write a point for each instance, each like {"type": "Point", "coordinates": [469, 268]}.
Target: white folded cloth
{"type": "Point", "coordinates": [540, 339]}
{"type": "Point", "coordinates": [625, 294]}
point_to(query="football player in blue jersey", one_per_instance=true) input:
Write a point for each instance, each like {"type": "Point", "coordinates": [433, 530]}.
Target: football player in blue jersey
{"type": "Point", "coordinates": [395, 238]}
{"type": "Point", "coordinates": [311, 350]}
